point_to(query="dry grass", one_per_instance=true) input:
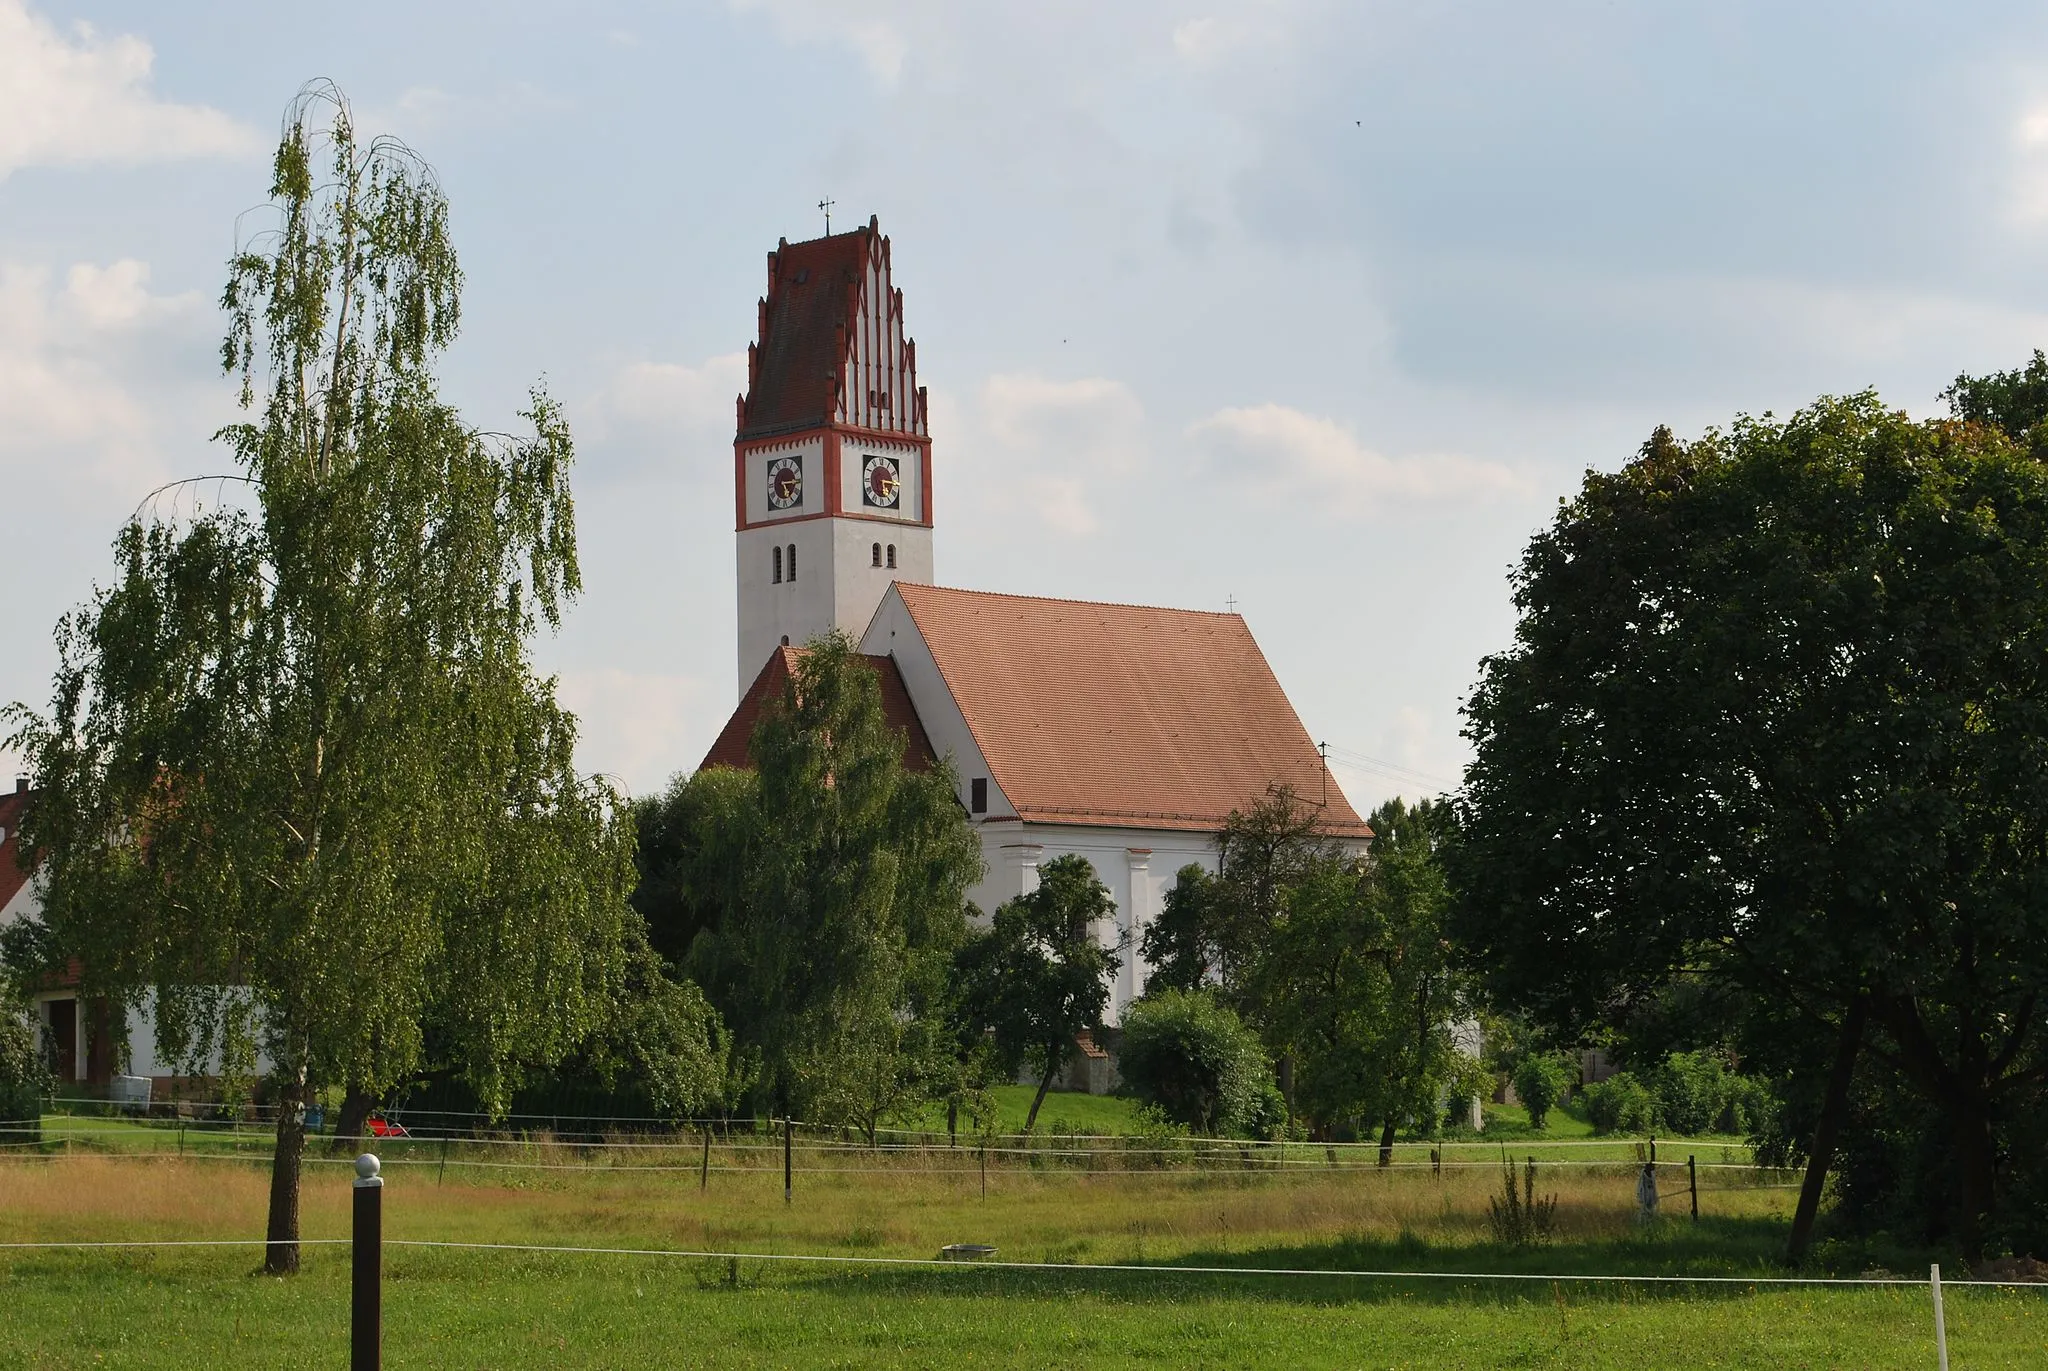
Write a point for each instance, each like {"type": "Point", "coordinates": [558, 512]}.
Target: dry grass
{"type": "Point", "coordinates": [206, 1307]}
{"type": "Point", "coordinates": [1052, 1214]}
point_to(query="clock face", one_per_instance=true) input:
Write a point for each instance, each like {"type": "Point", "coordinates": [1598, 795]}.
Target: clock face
{"type": "Point", "coordinates": [785, 482]}
{"type": "Point", "coordinates": [881, 484]}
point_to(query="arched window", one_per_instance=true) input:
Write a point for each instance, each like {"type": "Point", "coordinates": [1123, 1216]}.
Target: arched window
{"type": "Point", "coordinates": [778, 566]}
{"type": "Point", "coordinates": [892, 556]}
{"type": "Point", "coordinates": [792, 561]}
{"type": "Point", "coordinates": [877, 554]}
{"type": "Point", "coordinates": [785, 640]}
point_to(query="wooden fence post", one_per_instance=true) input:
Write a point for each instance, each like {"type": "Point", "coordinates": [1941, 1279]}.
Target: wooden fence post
{"type": "Point", "coordinates": [1692, 1180]}
{"type": "Point", "coordinates": [788, 1133]}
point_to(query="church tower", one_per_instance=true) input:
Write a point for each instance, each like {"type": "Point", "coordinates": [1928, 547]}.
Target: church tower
{"type": "Point", "coordinates": [832, 476]}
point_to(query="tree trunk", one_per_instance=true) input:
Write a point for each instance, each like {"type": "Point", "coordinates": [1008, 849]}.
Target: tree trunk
{"type": "Point", "coordinates": [1387, 1142]}
{"type": "Point", "coordinates": [1044, 1084]}
{"type": "Point", "coordinates": [1976, 1170]}
{"type": "Point", "coordinates": [1287, 1083]}
{"type": "Point", "coordinates": [1834, 1107]}
{"type": "Point", "coordinates": [356, 1106]}
{"type": "Point", "coordinates": [281, 1255]}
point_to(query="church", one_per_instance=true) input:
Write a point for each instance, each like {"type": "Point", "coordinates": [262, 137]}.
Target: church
{"type": "Point", "coordinates": [1124, 733]}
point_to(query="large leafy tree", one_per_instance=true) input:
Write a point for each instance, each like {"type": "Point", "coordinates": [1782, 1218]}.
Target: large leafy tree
{"type": "Point", "coordinates": [1039, 976]}
{"type": "Point", "coordinates": [1214, 930]}
{"type": "Point", "coordinates": [1358, 985]}
{"type": "Point", "coordinates": [820, 896]}
{"type": "Point", "coordinates": [1773, 715]}
{"type": "Point", "coordinates": [297, 758]}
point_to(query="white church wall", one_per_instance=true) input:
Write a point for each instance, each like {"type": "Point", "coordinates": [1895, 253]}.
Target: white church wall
{"type": "Point", "coordinates": [892, 633]}
{"type": "Point", "coordinates": [770, 611]}
{"type": "Point", "coordinates": [858, 585]}
{"type": "Point", "coordinates": [1137, 864]}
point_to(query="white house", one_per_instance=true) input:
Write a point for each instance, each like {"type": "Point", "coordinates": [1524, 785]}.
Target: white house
{"type": "Point", "coordinates": [72, 1029]}
{"type": "Point", "coordinates": [1124, 733]}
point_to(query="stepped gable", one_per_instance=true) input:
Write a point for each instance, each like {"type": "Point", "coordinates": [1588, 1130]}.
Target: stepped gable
{"type": "Point", "coordinates": [731, 747]}
{"type": "Point", "coordinates": [1121, 715]}
{"type": "Point", "coordinates": [831, 312]}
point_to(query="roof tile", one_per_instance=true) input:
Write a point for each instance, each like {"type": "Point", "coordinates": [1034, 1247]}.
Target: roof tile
{"type": "Point", "coordinates": [1121, 714]}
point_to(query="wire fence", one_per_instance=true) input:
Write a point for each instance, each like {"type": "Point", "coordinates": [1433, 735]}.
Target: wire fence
{"type": "Point", "coordinates": [683, 1134]}
{"type": "Point", "coordinates": [821, 1155]}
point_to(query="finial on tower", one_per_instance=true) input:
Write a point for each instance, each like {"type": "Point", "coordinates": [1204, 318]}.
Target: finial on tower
{"type": "Point", "coordinates": [826, 205]}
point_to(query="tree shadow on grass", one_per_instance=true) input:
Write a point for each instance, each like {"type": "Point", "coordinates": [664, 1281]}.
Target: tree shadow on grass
{"type": "Point", "coordinates": [1722, 1248]}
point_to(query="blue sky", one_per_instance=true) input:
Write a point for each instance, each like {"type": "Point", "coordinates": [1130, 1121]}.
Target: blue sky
{"type": "Point", "coordinates": [1320, 307]}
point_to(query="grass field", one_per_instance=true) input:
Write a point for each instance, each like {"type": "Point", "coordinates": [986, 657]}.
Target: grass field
{"type": "Point", "coordinates": [445, 1307]}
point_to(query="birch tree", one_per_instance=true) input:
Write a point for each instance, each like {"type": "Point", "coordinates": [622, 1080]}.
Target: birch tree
{"type": "Point", "coordinates": [297, 758]}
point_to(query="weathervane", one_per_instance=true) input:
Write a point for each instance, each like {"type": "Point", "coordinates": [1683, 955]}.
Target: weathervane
{"type": "Point", "coordinates": [1230, 604]}
{"type": "Point", "coordinates": [826, 205]}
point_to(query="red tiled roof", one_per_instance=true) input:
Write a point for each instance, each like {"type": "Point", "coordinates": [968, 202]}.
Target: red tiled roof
{"type": "Point", "coordinates": [1121, 714]}
{"type": "Point", "coordinates": [12, 877]}
{"type": "Point", "coordinates": [813, 295]}
{"type": "Point", "coordinates": [731, 747]}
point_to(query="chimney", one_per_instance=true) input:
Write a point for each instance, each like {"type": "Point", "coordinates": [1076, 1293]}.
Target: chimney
{"type": "Point", "coordinates": [21, 785]}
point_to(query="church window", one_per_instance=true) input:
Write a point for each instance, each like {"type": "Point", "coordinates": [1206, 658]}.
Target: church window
{"type": "Point", "coordinates": [778, 566]}
{"type": "Point", "coordinates": [892, 556]}
{"type": "Point", "coordinates": [876, 553]}
{"type": "Point", "coordinates": [792, 561]}
{"type": "Point", "coordinates": [785, 640]}
{"type": "Point", "coordinates": [977, 791]}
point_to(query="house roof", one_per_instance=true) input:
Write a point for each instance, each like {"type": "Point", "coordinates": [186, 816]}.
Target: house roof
{"type": "Point", "coordinates": [12, 877]}
{"type": "Point", "coordinates": [731, 747]}
{"type": "Point", "coordinates": [830, 325]}
{"type": "Point", "coordinates": [813, 294]}
{"type": "Point", "coordinates": [1121, 715]}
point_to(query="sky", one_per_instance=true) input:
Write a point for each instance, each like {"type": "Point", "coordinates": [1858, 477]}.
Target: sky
{"type": "Point", "coordinates": [1315, 310]}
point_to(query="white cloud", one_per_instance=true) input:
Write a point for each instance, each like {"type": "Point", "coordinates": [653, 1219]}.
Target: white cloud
{"type": "Point", "coordinates": [1289, 455]}
{"type": "Point", "coordinates": [880, 40]}
{"type": "Point", "coordinates": [420, 111]}
{"type": "Point", "coordinates": [2030, 164]}
{"type": "Point", "coordinates": [673, 396]}
{"type": "Point", "coordinates": [1052, 447]}
{"type": "Point", "coordinates": [76, 97]}
{"type": "Point", "coordinates": [640, 727]}
{"type": "Point", "coordinates": [81, 376]}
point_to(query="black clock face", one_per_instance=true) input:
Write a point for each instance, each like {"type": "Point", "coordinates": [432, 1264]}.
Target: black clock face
{"type": "Point", "coordinates": [880, 483]}
{"type": "Point", "coordinates": [785, 482]}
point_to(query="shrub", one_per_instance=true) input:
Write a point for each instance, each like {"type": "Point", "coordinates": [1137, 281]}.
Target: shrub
{"type": "Point", "coordinates": [23, 1079]}
{"type": "Point", "coordinates": [1621, 1104]}
{"type": "Point", "coordinates": [1697, 1093]}
{"type": "Point", "coordinates": [1188, 1055]}
{"type": "Point", "coordinates": [1541, 1079]}
{"type": "Point", "coordinates": [1691, 1088]}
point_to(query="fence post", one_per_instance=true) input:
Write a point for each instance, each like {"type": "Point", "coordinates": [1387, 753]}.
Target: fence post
{"type": "Point", "coordinates": [1940, 1331]}
{"type": "Point", "coordinates": [788, 1132]}
{"type": "Point", "coordinates": [984, 1168]}
{"type": "Point", "coordinates": [441, 1176]}
{"type": "Point", "coordinates": [1653, 1151]}
{"type": "Point", "coordinates": [1436, 1162]}
{"type": "Point", "coordinates": [1692, 1180]}
{"type": "Point", "coordinates": [704, 1171]}
{"type": "Point", "coordinates": [366, 1304]}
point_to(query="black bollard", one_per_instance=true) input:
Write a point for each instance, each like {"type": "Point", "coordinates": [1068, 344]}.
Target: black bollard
{"type": "Point", "coordinates": [366, 1298]}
